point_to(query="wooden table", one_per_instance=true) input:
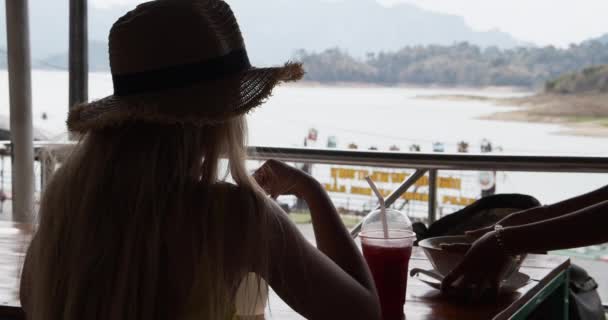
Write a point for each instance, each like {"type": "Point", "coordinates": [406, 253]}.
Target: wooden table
{"type": "Point", "coordinates": [14, 239]}
{"type": "Point", "coordinates": [549, 285]}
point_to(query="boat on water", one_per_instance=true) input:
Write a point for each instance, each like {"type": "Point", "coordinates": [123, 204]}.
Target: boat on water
{"type": "Point", "coordinates": [438, 147]}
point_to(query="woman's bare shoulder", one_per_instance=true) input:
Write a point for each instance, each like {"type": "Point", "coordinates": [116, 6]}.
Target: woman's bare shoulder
{"type": "Point", "coordinates": [222, 187]}
{"type": "Point", "coordinates": [234, 195]}
{"type": "Point", "coordinates": [240, 203]}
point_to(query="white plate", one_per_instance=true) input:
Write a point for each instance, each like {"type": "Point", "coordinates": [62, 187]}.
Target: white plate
{"type": "Point", "coordinates": [432, 278]}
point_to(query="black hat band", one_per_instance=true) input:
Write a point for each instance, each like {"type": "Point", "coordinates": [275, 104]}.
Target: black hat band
{"type": "Point", "coordinates": [181, 76]}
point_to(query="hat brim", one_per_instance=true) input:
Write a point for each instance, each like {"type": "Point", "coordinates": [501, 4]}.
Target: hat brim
{"type": "Point", "coordinates": [200, 104]}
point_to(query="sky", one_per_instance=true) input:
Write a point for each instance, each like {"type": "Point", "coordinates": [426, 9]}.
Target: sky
{"type": "Point", "coordinates": [542, 22]}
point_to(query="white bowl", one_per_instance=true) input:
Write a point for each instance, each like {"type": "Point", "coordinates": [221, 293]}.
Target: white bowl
{"type": "Point", "coordinates": [444, 261]}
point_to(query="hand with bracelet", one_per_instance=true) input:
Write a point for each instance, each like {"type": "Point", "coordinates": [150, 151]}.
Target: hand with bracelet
{"type": "Point", "coordinates": [576, 222]}
{"type": "Point", "coordinates": [515, 219]}
{"type": "Point", "coordinates": [482, 268]}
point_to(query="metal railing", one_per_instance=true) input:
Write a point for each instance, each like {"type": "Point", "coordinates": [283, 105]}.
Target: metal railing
{"type": "Point", "coordinates": [422, 162]}
{"type": "Point", "coordinates": [436, 161]}
{"type": "Point", "coordinates": [410, 160]}
{"type": "Point", "coordinates": [431, 163]}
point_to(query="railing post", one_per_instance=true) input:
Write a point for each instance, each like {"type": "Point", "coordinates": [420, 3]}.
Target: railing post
{"type": "Point", "coordinates": [432, 196]}
{"type": "Point", "coordinates": [20, 90]}
{"type": "Point", "coordinates": [79, 56]}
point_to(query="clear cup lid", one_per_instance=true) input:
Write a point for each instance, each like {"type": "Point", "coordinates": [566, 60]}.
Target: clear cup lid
{"type": "Point", "coordinates": [398, 225]}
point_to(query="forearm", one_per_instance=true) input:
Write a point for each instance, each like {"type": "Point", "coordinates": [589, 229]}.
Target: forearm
{"type": "Point", "coordinates": [332, 237]}
{"type": "Point", "coordinates": [560, 208]}
{"type": "Point", "coordinates": [584, 227]}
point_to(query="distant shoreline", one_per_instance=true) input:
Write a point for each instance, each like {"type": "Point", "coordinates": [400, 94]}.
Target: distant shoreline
{"type": "Point", "coordinates": [581, 115]}
{"type": "Point", "coordinates": [339, 84]}
{"type": "Point", "coordinates": [317, 84]}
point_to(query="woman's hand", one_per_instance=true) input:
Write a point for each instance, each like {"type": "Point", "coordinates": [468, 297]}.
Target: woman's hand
{"type": "Point", "coordinates": [278, 178]}
{"type": "Point", "coordinates": [481, 269]}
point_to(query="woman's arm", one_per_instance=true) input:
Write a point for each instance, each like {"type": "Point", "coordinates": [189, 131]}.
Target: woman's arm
{"type": "Point", "coordinates": [584, 227]}
{"type": "Point", "coordinates": [332, 237]}
{"type": "Point", "coordinates": [550, 211]}
{"type": "Point", "coordinates": [331, 282]}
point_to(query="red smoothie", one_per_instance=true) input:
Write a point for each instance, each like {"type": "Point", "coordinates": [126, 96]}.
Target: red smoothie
{"type": "Point", "coordinates": [389, 267]}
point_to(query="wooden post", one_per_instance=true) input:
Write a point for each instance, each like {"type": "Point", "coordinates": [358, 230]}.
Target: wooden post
{"type": "Point", "coordinates": [79, 53]}
{"type": "Point", "coordinates": [20, 89]}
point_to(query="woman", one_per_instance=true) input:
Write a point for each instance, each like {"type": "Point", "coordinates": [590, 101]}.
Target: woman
{"type": "Point", "coordinates": [137, 223]}
{"type": "Point", "coordinates": [576, 222]}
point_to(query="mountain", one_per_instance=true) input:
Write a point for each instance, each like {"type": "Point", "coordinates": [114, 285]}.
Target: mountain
{"type": "Point", "coordinates": [275, 29]}
{"type": "Point", "coordinates": [98, 58]}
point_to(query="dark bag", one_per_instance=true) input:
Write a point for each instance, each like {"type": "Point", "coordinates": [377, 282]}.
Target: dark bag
{"type": "Point", "coordinates": [584, 299]}
{"type": "Point", "coordinates": [585, 303]}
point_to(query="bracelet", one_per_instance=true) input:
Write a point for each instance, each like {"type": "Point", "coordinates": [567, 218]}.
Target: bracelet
{"type": "Point", "coordinates": [501, 242]}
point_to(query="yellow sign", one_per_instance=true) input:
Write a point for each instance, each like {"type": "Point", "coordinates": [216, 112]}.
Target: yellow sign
{"type": "Point", "coordinates": [339, 175]}
{"type": "Point", "coordinates": [392, 177]}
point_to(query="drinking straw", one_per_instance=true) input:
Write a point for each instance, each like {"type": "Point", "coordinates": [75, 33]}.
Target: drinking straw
{"type": "Point", "coordinates": [382, 206]}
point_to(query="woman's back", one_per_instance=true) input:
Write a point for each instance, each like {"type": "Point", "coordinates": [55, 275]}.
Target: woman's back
{"type": "Point", "coordinates": [126, 233]}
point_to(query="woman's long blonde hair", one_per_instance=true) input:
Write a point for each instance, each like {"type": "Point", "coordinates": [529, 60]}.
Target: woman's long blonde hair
{"type": "Point", "coordinates": [134, 225]}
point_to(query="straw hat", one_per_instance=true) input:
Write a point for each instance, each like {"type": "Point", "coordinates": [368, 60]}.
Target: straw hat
{"type": "Point", "coordinates": [179, 61]}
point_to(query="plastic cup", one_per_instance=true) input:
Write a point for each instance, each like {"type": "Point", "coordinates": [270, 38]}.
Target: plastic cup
{"type": "Point", "coordinates": [388, 260]}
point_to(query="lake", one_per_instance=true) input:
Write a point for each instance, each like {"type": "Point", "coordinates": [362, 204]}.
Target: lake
{"type": "Point", "coordinates": [379, 117]}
